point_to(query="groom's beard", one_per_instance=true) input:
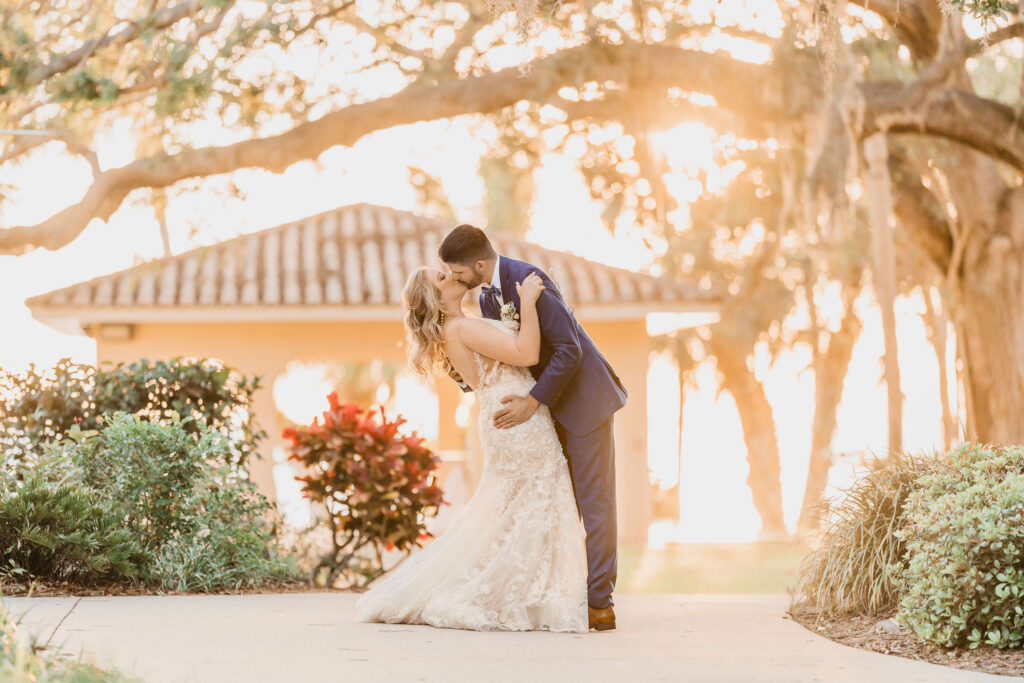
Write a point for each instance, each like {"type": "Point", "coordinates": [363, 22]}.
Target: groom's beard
{"type": "Point", "coordinates": [476, 282]}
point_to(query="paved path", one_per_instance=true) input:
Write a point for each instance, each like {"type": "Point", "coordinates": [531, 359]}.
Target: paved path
{"type": "Point", "coordinates": [314, 637]}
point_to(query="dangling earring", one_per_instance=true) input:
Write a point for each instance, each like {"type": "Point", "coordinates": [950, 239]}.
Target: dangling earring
{"type": "Point", "coordinates": [442, 318]}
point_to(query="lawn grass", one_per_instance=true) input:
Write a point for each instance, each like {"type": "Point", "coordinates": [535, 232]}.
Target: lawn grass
{"type": "Point", "coordinates": [708, 568]}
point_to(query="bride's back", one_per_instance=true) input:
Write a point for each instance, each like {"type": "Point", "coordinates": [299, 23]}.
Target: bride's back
{"type": "Point", "coordinates": [474, 367]}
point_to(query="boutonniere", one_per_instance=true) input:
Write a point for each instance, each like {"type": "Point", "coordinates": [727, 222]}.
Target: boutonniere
{"type": "Point", "coordinates": [509, 315]}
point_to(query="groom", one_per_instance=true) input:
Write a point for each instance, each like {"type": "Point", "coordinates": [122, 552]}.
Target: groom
{"type": "Point", "coordinates": [576, 383]}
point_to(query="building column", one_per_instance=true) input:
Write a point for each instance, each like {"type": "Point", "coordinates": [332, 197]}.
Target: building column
{"type": "Point", "coordinates": [627, 347]}
{"type": "Point", "coordinates": [261, 470]}
{"type": "Point", "coordinates": [633, 487]}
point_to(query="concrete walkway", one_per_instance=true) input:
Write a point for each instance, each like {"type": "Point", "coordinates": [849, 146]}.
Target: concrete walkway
{"type": "Point", "coordinates": [313, 636]}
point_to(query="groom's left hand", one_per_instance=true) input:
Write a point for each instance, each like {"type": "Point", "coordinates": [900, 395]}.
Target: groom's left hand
{"type": "Point", "coordinates": [518, 409]}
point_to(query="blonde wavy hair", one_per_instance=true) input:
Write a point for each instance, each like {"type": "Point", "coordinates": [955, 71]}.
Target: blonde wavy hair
{"type": "Point", "coordinates": [423, 315]}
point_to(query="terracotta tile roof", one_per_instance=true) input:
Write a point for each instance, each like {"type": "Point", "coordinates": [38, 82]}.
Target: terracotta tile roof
{"type": "Point", "coordinates": [356, 255]}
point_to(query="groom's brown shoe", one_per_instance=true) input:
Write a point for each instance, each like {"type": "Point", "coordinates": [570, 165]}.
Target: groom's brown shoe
{"type": "Point", "coordinates": [601, 619]}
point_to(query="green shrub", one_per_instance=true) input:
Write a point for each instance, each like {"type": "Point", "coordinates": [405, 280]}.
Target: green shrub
{"type": "Point", "coordinates": [185, 499]}
{"type": "Point", "coordinates": [47, 461]}
{"type": "Point", "coordinates": [848, 572]}
{"type": "Point", "coordinates": [233, 544]}
{"type": "Point", "coordinates": [40, 407]}
{"type": "Point", "coordinates": [154, 471]}
{"type": "Point", "coordinates": [163, 444]}
{"type": "Point", "coordinates": [377, 486]}
{"type": "Point", "coordinates": [962, 582]}
{"type": "Point", "coordinates": [64, 532]}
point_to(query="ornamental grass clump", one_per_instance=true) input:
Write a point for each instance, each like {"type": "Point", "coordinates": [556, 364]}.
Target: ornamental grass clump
{"type": "Point", "coordinates": [848, 572]}
{"type": "Point", "coordinates": [378, 488]}
{"type": "Point", "coordinates": [962, 582]}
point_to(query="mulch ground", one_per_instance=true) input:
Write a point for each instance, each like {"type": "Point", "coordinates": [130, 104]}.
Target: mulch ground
{"type": "Point", "coordinates": [40, 589]}
{"type": "Point", "coordinates": [864, 632]}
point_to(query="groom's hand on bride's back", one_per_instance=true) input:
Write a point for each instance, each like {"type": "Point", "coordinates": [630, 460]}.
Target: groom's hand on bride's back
{"type": "Point", "coordinates": [517, 410]}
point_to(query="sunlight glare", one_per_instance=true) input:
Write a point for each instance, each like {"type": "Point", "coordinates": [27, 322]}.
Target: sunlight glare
{"type": "Point", "coordinates": [300, 392]}
{"type": "Point", "coordinates": [417, 403]}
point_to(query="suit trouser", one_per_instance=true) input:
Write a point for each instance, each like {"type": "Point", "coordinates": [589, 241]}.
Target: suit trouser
{"type": "Point", "coordinates": [592, 469]}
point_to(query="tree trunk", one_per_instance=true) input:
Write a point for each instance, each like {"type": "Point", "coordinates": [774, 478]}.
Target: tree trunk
{"type": "Point", "coordinates": [160, 208]}
{"type": "Point", "coordinates": [991, 325]}
{"type": "Point", "coordinates": [937, 323]}
{"type": "Point", "coordinates": [984, 271]}
{"type": "Point", "coordinates": [759, 435]}
{"type": "Point", "coordinates": [884, 275]}
{"type": "Point", "coordinates": [830, 367]}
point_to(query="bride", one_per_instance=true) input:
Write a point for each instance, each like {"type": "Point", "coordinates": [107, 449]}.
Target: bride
{"type": "Point", "coordinates": [515, 557]}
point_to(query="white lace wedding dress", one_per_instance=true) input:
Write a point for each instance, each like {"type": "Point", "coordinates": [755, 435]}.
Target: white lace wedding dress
{"type": "Point", "coordinates": [515, 557]}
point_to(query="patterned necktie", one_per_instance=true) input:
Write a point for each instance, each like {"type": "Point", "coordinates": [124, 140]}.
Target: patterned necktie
{"type": "Point", "coordinates": [492, 293]}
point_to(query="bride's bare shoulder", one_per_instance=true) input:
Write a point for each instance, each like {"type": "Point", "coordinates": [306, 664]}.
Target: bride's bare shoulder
{"type": "Point", "coordinates": [465, 322]}
{"type": "Point", "coordinates": [471, 332]}
{"type": "Point", "coordinates": [454, 329]}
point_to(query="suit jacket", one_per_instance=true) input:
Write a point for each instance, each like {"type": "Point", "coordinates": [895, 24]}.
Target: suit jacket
{"type": "Point", "coordinates": [574, 380]}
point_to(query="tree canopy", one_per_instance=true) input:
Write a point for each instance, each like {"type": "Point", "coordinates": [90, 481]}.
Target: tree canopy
{"type": "Point", "coordinates": [292, 79]}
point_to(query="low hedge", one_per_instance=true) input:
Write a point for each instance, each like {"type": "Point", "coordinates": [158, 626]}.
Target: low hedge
{"type": "Point", "coordinates": [962, 580]}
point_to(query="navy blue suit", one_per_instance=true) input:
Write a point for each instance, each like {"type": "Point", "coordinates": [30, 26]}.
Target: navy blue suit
{"type": "Point", "coordinates": [582, 392]}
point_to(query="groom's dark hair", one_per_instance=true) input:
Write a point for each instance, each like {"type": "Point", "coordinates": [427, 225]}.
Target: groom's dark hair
{"type": "Point", "coordinates": [466, 244]}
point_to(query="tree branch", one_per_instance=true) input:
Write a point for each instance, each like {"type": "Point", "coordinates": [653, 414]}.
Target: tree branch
{"type": "Point", "coordinates": [70, 140]}
{"type": "Point", "coordinates": [446, 62]}
{"type": "Point", "coordinates": [659, 111]}
{"type": "Point", "coordinates": [985, 125]}
{"type": "Point", "coordinates": [918, 23]}
{"type": "Point", "coordinates": [158, 20]}
{"type": "Point", "coordinates": [940, 70]}
{"type": "Point", "coordinates": [998, 36]}
{"type": "Point", "coordinates": [381, 36]}
{"type": "Point", "coordinates": [751, 91]}
{"type": "Point", "coordinates": [482, 94]}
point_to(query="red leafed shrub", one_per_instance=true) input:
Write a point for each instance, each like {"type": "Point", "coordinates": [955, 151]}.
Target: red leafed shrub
{"type": "Point", "coordinates": [378, 487]}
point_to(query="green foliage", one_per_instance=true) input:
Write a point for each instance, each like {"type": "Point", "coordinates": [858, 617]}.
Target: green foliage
{"type": "Point", "coordinates": [154, 471]}
{"type": "Point", "coordinates": [84, 85]}
{"type": "Point", "coordinates": [962, 581]}
{"type": "Point", "coordinates": [377, 486]}
{"type": "Point", "coordinates": [64, 533]}
{"type": "Point", "coordinates": [40, 407]}
{"type": "Point", "coordinates": [160, 75]}
{"type": "Point", "coordinates": [23, 659]}
{"type": "Point", "coordinates": [848, 573]}
{"type": "Point", "coordinates": [986, 9]}
{"type": "Point", "coordinates": [185, 499]}
{"type": "Point", "coordinates": [85, 452]}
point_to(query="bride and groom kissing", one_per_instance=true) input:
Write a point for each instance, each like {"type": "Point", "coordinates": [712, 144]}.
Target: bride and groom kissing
{"type": "Point", "coordinates": [535, 547]}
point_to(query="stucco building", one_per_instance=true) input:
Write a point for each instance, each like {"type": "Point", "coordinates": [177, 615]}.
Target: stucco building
{"type": "Point", "coordinates": [328, 287]}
